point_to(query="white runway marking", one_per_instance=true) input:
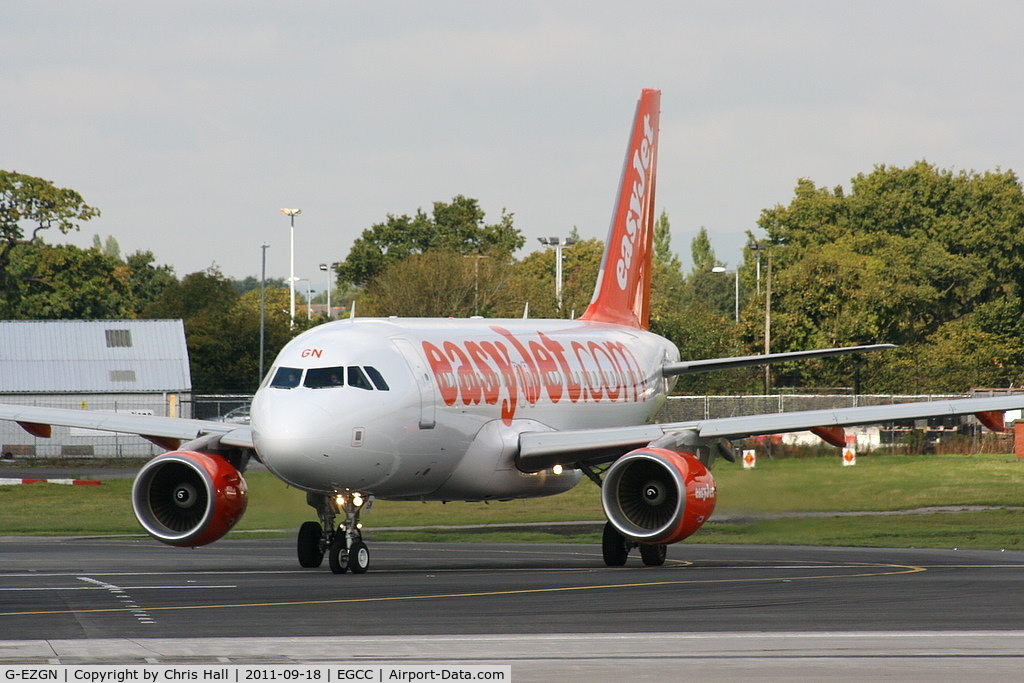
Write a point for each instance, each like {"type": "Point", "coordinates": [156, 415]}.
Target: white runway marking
{"type": "Point", "coordinates": [123, 597]}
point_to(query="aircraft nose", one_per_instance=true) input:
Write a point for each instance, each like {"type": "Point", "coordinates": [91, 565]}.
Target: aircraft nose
{"type": "Point", "coordinates": [281, 428]}
{"type": "Point", "coordinates": [314, 446]}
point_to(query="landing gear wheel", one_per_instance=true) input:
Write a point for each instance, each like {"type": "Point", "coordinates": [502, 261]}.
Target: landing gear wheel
{"type": "Point", "coordinates": [614, 546]}
{"type": "Point", "coordinates": [653, 555]}
{"type": "Point", "coordinates": [311, 553]}
{"type": "Point", "coordinates": [358, 558]}
{"type": "Point", "coordinates": [338, 554]}
{"type": "Point", "coordinates": [345, 547]}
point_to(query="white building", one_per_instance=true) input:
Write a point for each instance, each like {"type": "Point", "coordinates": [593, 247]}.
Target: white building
{"type": "Point", "coordinates": [137, 366]}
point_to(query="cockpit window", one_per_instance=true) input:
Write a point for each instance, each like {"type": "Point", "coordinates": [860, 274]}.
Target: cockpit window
{"type": "Point", "coordinates": [377, 378]}
{"type": "Point", "coordinates": [357, 379]}
{"type": "Point", "coordinates": [318, 378]}
{"type": "Point", "coordinates": [366, 377]}
{"type": "Point", "coordinates": [286, 378]}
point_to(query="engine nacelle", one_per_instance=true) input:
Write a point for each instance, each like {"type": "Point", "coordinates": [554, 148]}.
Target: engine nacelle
{"type": "Point", "coordinates": [189, 499]}
{"type": "Point", "coordinates": [655, 495]}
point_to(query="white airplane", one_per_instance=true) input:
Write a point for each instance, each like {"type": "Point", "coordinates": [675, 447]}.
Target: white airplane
{"type": "Point", "coordinates": [478, 410]}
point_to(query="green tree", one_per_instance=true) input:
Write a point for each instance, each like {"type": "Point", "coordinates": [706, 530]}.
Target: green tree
{"type": "Point", "coordinates": [668, 285]}
{"type": "Point", "coordinates": [148, 281]}
{"type": "Point", "coordinates": [241, 372]}
{"type": "Point", "coordinates": [663, 243]}
{"type": "Point", "coordinates": [909, 256]}
{"type": "Point", "coordinates": [203, 301]}
{"type": "Point", "coordinates": [696, 313]}
{"type": "Point", "coordinates": [109, 247]}
{"type": "Point", "coordinates": [195, 294]}
{"type": "Point", "coordinates": [703, 287]}
{"type": "Point", "coordinates": [65, 282]}
{"type": "Point", "coordinates": [252, 282]}
{"type": "Point", "coordinates": [698, 333]}
{"type": "Point", "coordinates": [26, 199]}
{"type": "Point", "coordinates": [533, 281]}
{"type": "Point", "coordinates": [440, 283]}
{"type": "Point", "coordinates": [701, 251]}
{"type": "Point", "coordinates": [457, 226]}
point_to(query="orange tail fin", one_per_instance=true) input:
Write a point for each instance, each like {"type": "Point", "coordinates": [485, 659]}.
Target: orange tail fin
{"type": "Point", "coordinates": [623, 290]}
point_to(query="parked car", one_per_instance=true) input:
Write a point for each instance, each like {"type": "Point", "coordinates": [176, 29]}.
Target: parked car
{"type": "Point", "coordinates": [239, 415]}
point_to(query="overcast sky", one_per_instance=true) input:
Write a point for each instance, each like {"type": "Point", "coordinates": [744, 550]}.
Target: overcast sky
{"type": "Point", "coordinates": [190, 124]}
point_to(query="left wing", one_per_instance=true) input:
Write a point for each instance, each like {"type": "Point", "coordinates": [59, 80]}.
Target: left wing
{"type": "Point", "coordinates": [687, 367]}
{"type": "Point", "coordinates": [166, 432]}
{"type": "Point", "coordinates": [540, 450]}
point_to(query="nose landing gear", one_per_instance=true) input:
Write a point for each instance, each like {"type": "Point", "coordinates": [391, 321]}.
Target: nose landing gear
{"type": "Point", "coordinates": [344, 546]}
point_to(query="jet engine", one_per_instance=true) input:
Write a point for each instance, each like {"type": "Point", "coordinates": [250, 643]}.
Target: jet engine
{"type": "Point", "coordinates": [658, 496]}
{"type": "Point", "coordinates": [184, 498]}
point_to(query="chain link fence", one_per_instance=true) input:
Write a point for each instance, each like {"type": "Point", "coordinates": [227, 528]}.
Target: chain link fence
{"type": "Point", "coordinates": [681, 408]}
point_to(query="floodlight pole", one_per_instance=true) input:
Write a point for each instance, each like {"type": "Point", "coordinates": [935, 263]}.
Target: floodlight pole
{"type": "Point", "coordinates": [309, 296]}
{"type": "Point", "coordinates": [291, 213]}
{"type": "Point", "coordinates": [330, 285]}
{"type": "Point", "coordinates": [263, 306]}
{"type": "Point", "coordinates": [558, 243]}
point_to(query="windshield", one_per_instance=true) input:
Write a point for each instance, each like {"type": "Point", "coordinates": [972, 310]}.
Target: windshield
{"type": "Point", "coordinates": [286, 378]}
{"type": "Point", "coordinates": [318, 378]}
{"type": "Point", "coordinates": [359, 377]}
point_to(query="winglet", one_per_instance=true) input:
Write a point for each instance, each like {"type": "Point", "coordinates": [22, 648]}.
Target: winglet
{"type": "Point", "coordinates": [622, 293]}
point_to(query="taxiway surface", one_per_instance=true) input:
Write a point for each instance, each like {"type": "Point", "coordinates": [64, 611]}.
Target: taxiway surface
{"type": "Point", "coordinates": [555, 605]}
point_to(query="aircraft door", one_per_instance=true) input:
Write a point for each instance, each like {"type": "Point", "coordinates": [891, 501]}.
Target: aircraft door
{"type": "Point", "coordinates": [424, 381]}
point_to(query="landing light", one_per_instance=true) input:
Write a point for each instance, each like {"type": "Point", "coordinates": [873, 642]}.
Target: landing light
{"type": "Point", "coordinates": [340, 500]}
{"type": "Point", "coordinates": [557, 469]}
{"type": "Point", "coordinates": [357, 500]}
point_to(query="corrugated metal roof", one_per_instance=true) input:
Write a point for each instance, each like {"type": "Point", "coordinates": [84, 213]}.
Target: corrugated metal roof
{"type": "Point", "coordinates": [65, 356]}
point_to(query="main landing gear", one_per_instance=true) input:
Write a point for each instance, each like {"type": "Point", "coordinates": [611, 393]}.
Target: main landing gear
{"type": "Point", "coordinates": [343, 546]}
{"type": "Point", "coordinates": [615, 547]}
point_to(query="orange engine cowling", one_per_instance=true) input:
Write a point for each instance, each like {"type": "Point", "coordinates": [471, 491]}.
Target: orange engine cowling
{"type": "Point", "coordinates": [655, 495]}
{"type": "Point", "coordinates": [189, 499]}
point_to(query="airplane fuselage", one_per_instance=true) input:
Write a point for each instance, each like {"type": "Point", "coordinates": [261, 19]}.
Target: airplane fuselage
{"type": "Point", "coordinates": [432, 409]}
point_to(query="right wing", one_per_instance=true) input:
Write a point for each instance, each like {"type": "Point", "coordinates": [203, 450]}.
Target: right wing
{"type": "Point", "coordinates": [166, 432]}
{"type": "Point", "coordinates": [541, 450]}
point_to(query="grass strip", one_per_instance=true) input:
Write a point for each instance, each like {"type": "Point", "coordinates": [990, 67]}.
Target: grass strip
{"type": "Point", "coordinates": [890, 483]}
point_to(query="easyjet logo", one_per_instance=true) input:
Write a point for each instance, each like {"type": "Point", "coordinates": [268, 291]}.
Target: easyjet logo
{"type": "Point", "coordinates": [641, 164]}
{"type": "Point", "coordinates": [522, 370]}
{"type": "Point", "coordinates": [705, 492]}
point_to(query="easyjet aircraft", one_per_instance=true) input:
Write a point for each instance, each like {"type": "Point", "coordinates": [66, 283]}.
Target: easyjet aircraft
{"type": "Point", "coordinates": [476, 409]}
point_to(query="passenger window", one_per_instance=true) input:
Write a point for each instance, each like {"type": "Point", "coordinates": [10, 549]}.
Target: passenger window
{"type": "Point", "coordinates": [318, 378]}
{"type": "Point", "coordinates": [378, 379]}
{"type": "Point", "coordinates": [357, 379]}
{"type": "Point", "coordinates": [286, 378]}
